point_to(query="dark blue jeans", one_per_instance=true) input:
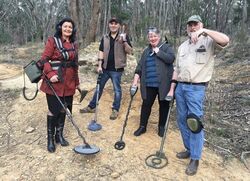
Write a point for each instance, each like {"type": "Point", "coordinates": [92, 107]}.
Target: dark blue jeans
{"type": "Point", "coordinates": [189, 99]}
{"type": "Point", "coordinates": [116, 81]}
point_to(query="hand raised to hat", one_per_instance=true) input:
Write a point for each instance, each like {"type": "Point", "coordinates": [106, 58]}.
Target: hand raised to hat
{"type": "Point", "coordinates": [195, 35]}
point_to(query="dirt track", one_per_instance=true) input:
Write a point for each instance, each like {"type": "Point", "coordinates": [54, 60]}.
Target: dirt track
{"type": "Point", "coordinates": [23, 154]}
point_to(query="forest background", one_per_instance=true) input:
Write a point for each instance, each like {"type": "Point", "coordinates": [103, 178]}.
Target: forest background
{"type": "Point", "coordinates": [25, 26]}
{"type": "Point", "coordinates": [24, 21]}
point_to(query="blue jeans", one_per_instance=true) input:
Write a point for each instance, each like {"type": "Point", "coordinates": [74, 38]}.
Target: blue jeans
{"type": "Point", "coordinates": [116, 81]}
{"type": "Point", "coordinates": [189, 99]}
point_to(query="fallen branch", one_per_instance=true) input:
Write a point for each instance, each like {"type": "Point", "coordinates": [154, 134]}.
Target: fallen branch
{"type": "Point", "coordinates": [243, 159]}
{"type": "Point", "coordinates": [35, 140]}
{"type": "Point", "coordinates": [239, 136]}
{"type": "Point", "coordinates": [221, 148]}
{"type": "Point", "coordinates": [235, 115]}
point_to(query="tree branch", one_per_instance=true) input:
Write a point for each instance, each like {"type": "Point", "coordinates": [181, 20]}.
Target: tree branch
{"type": "Point", "coordinates": [221, 148]}
{"type": "Point", "coordinates": [243, 159]}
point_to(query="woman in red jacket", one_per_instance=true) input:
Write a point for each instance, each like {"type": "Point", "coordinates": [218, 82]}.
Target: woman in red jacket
{"type": "Point", "coordinates": [61, 68]}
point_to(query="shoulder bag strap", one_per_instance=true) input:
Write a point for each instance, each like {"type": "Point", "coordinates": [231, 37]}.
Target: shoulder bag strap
{"type": "Point", "coordinates": [61, 49]}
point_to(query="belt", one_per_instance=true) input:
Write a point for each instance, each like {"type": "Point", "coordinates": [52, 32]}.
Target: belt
{"type": "Point", "coordinates": [58, 65]}
{"type": "Point", "coordinates": [63, 64]}
{"type": "Point", "coordinates": [192, 83]}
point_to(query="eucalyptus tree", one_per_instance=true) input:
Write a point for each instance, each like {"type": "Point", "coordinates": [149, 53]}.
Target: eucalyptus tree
{"type": "Point", "coordinates": [29, 20]}
{"type": "Point", "coordinates": [32, 20]}
{"type": "Point", "coordinates": [45, 13]}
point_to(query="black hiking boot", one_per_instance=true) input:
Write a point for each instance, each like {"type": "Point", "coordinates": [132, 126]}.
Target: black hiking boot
{"type": "Point", "coordinates": [192, 167]}
{"type": "Point", "coordinates": [183, 154]}
{"type": "Point", "coordinates": [161, 131]}
{"type": "Point", "coordinates": [140, 130]}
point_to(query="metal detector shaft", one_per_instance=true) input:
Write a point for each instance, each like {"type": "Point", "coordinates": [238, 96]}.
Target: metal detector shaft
{"type": "Point", "coordinates": [158, 47]}
{"type": "Point", "coordinates": [97, 94]}
{"type": "Point", "coordinates": [126, 119]}
{"type": "Point", "coordinates": [119, 145]}
{"type": "Point", "coordinates": [97, 100]}
{"type": "Point", "coordinates": [93, 125]}
{"type": "Point", "coordinates": [166, 126]}
{"type": "Point", "coordinates": [68, 113]}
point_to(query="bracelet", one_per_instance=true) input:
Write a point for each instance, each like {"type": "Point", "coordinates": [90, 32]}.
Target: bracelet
{"type": "Point", "coordinates": [124, 41]}
{"type": "Point", "coordinates": [100, 59]}
{"type": "Point", "coordinates": [174, 81]}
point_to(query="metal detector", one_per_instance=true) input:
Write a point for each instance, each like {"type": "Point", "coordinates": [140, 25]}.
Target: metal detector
{"type": "Point", "coordinates": [159, 160]}
{"type": "Point", "coordinates": [119, 145]}
{"type": "Point", "coordinates": [84, 149]}
{"type": "Point", "coordinates": [93, 125]}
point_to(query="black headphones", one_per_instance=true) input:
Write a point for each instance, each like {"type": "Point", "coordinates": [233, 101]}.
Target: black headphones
{"type": "Point", "coordinates": [59, 25]}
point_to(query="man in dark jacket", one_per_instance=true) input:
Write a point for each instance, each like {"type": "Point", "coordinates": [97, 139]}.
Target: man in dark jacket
{"type": "Point", "coordinates": [113, 51]}
{"type": "Point", "coordinates": [154, 70]}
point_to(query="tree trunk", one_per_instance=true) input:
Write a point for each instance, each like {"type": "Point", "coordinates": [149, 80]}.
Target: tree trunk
{"type": "Point", "coordinates": [105, 17]}
{"type": "Point", "coordinates": [74, 12]}
{"type": "Point", "coordinates": [244, 15]}
{"type": "Point", "coordinates": [109, 9]}
{"type": "Point", "coordinates": [91, 33]}
{"type": "Point", "coordinates": [160, 15]}
{"type": "Point", "coordinates": [134, 20]}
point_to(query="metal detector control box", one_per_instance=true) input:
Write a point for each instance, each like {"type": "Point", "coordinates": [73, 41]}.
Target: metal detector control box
{"type": "Point", "coordinates": [33, 72]}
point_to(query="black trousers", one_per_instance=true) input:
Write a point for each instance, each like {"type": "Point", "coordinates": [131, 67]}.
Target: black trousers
{"type": "Point", "coordinates": [54, 105]}
{"type": "Point", "coordinates": [147, 104]}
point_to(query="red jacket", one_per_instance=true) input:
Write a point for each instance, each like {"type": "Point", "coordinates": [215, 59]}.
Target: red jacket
{"type": "Point", "coordinates": [70, 74]}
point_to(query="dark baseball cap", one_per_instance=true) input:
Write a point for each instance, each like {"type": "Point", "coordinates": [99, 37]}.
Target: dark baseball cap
{"type": "Point", "coordinates": [194, 18]}
{"type": "Point", "coordinates": [114, 19]}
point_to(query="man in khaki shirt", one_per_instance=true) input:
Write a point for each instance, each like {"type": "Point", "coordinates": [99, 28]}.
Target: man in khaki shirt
{"type": "Point", "coordinates": [194, 68]}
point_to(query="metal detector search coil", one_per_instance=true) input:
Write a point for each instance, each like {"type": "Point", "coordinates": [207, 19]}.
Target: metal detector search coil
{"type": "Point", "coordinates": [157, 160]}
{"type": "Point", "coordinates": [86, 149]}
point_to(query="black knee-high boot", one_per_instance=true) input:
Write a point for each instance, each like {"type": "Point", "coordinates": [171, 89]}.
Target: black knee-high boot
{"type": "Point", "coordinates": [51, 121]}
{"type": "Point", "coordinates": [59, 130]}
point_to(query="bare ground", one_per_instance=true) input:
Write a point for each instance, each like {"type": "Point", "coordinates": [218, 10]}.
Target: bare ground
{"type": "Point", "coordinates": [23, 154]}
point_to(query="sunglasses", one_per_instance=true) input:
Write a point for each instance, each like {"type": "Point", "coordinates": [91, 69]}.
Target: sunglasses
{"type": "Point", "coordinates": [153, 29]}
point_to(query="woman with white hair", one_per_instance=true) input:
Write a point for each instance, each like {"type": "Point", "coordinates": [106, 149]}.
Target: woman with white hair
{"type": "Point", "coordinates": [154, 70]}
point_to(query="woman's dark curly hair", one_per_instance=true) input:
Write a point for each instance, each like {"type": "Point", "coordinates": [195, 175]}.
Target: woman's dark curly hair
{"type": "Point", "coordinates": [58, 33]}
